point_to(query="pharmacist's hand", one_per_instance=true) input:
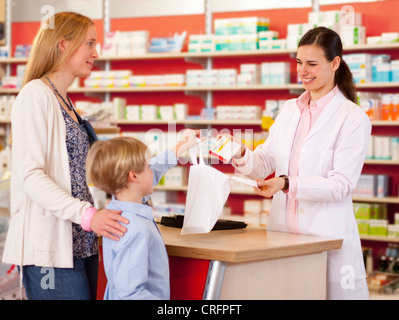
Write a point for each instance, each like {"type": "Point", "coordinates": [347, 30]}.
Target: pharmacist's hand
{"type": "Point", "coordinates": [188, 139]}
{"type": "Point", "coordinates": [239, 154]}
{"type": "Point", "coordinates": [107, 223]}
{"type": "Point", "coordinates": [267, 188]}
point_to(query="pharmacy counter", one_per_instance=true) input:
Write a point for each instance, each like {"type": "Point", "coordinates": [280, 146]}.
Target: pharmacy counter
{"type": "Point", "coordinates": [247, 264]}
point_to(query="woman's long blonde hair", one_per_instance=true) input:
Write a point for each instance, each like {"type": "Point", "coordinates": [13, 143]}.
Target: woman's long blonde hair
{"type": "Point", "coordinates": [45, 56]}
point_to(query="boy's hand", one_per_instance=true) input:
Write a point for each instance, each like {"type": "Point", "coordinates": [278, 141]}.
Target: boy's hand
{"type": "Point", "coordinates": [188, 139]}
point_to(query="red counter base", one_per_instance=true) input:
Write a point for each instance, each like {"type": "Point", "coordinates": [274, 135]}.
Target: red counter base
{"type": "Point", "coordinates": [187, 278]}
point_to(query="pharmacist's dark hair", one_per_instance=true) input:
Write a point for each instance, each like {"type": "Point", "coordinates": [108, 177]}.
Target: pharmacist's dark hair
{"type": "Point", "coordinates": [331, 44]}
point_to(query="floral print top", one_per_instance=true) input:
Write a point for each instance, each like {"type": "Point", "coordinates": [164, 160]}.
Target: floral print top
{"type": "Point", "coordinates": [77, 142]}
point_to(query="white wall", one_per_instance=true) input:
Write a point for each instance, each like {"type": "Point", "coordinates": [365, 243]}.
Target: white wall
{"type": "Point", "coordinates": [30, 10]}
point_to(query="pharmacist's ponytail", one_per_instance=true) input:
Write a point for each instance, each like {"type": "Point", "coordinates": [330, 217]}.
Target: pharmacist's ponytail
{"type": "Point", "coordinates": [331, 44]}
{"type": "Point", "coordinates": [344, 80]}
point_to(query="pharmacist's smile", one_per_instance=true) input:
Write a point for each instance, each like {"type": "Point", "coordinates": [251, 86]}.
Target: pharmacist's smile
{"type": "Point", "coordinates": [308, 80]}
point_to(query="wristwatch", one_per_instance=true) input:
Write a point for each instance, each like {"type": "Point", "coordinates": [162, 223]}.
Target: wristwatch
{"type": "Point", "coordinates": [286, 182]}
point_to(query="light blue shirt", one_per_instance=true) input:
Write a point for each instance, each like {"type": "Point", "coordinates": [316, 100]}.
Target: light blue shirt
{"type": "Point", "coordinates": [137, 266]}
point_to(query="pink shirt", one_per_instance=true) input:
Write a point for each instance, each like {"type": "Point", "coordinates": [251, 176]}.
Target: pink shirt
{"type": "Point", "coordinates": [310, 112]}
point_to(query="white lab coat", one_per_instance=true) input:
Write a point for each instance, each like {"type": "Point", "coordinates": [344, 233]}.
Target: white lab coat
{"type": "Point", "coordinates": [330, 163]}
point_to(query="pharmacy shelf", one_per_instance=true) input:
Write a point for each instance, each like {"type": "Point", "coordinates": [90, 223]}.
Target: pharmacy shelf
{"type": "Point", "coordinates": [173, 88]}
{"type": "Point", "coordinates": [190, 88]}
{"type": "Point", "coordinates": [385, 123]}
{"type": "Point", "coordinates": [240, 122]}
{"type": "Point", "coordinates": [388, 200]}
{"type": "Point", "coordinates": [256, 87]}
{"type": "Point", "coordinates": [184, 55]}
{"type": "Point", "coordinates": [377, 85]}
{"type": "Point", "coordinates": [203, 122]}
{"type": "Point", "coordinates": [394, 200]}
{"type": "Point", "coordinates": [378, 238]}
{"type": "Point", "coordinates": [384, 162]}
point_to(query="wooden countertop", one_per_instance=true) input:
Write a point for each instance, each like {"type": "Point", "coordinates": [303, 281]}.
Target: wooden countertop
{"type": "Point", "coordinates": [241, 245]}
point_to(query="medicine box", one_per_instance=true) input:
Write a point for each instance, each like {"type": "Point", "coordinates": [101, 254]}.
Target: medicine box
{"type": "Point", "coordinates": [388, 37]}
{"type": "Point", "coordinates": [245, 25]}
{"type": "Point", "coordinates": [360, 65]}
{"type": "Point", "coordinates": [176, 176]}
{"type": "Point", "coordinates": [251, 69]}
{"type": "Point", "coordinates": [381, 68]}
{"type": "Point", "coordinates": [225, 149]}
{"type": "Point", "coordinates": [353, 35]}
{"type": "Point", "coordinates": [227, 77]}
{"type": "Point", "coordinates": [221, 43]}
{"type": "Point", "coordinates": [394, 70]}
{"type": "Point", "coordinates": [378, 227]}
{"type": "Point", "coordinates": [298, 29]}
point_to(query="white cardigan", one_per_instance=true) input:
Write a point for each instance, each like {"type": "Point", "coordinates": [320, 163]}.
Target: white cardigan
{"type": "Point", "coordinates": [42, 208]}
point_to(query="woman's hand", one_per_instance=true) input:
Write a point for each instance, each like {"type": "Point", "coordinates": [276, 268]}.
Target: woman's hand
{"type": "Point", "coordinates": [188, 139]}
{"type": "Point", "coordinates": [107, 223]}
{"type": "Point", "coordinates": [267, 188]}
{"type": "Point", "coordinates": [239, 154]}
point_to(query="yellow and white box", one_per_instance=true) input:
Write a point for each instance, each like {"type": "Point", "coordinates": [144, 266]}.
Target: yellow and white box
{"type": "Point", "coordinates": [225, 149]}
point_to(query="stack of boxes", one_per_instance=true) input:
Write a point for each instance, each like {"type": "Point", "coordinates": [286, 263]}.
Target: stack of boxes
{"type": "Point", "coordinates": [372, 220]}
{"type": "Point", "coordinates": [383, 148]}
{"type": "Point", "coordinates": [268, 73]}
{"type": "Point", "coordinates": [367, 67]}
{"type": "Point", "coordinates": [268, 40]}
{"type": "Point", "coordinates": [275, 73]}
{"type": "Point", "coordinates": [383, 107]}
{"type": "Point", "coordinates": [125, 79]}
{"type": "Point", "coordinates": [235, 34]}
{"type": "Point", "coordinates": [238, 112]}
{"type": "Point", "coordinates": [386, 37]}
{"type": "Point", "coordinates": [125, 43]}
{"type": "Point", "coordinates": [372, 185]}
{"type": "Point", "coordinates": [347, 25]}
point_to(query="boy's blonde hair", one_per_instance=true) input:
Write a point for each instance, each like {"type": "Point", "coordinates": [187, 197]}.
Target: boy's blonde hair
{"type": "Point", "coordinates": [45, 56]}
{"type": "Point", "coordinates": [109, 162]}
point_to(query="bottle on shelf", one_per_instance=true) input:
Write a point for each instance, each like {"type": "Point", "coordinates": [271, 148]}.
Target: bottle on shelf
{"type": "Point", "coordinates": [386, 107]}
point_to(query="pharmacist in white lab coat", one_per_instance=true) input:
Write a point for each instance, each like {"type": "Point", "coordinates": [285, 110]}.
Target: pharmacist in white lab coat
{"type": "Point", "coordinates": [316, 148]}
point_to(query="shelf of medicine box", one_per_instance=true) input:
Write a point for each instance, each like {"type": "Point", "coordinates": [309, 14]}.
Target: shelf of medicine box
{"type": "Point", "coordinates": [189, 88]}
{"type": "Point", "coordinates": [389, 200]}
{"type": "Point", "coordinates": [256, 87]}
{"type": "Point", "coordinates": [383, 123]}
{"type": "Point", "coordinates": [182, 55]}
{"type": "Point", "coordinates": [385, 162]}
{"type": "Point", "coordinates": [378, 238]}
{"type": "Point", "coordinates": [394, 200]}
{"type": "Point", "coordinates": [189, 122]}
{"type": "Point", "coordinates": [250, 192]}
{"type": "Point", "coordinates": [259, 52]}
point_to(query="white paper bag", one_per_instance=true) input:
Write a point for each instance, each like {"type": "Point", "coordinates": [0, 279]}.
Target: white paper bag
{"type": "Point", "coordinates": [207, 193]}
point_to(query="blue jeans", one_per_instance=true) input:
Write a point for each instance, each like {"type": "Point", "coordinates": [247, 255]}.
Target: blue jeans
{"type": "Point", "coordinates": [77, 283]}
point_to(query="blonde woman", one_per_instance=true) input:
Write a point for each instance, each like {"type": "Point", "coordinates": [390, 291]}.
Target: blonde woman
{"type": "Point", "coordinates": [53, 221]}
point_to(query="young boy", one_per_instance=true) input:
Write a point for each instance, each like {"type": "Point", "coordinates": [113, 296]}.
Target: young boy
{"type": "Point", "coordinates": [136, 266]}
